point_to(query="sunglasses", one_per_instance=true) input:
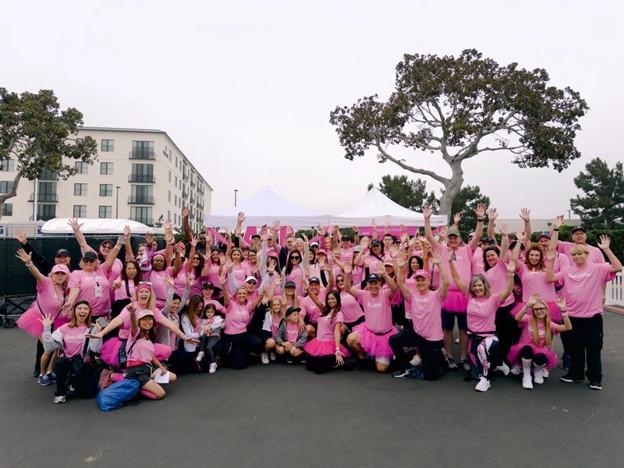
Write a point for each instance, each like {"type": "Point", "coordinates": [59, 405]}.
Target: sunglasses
{"type": "Point", "coordinates": [539, 309]}
{"type": "Point", "coordinates": [296, 258]}
{"type": "Point", "coordinates": [196, 258]}
{"type": "Point", "coordinates": [88, 260]}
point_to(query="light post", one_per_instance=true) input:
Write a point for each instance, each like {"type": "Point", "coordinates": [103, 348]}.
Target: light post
{"type": "Point", "coordinates": [117, 201]}
{"type": "Point", "coordinates": [235, 196]}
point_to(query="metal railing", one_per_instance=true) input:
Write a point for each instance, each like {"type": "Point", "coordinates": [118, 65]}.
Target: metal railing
{"type": "Point", "coordinates": [142, 154]}
{"type": "Point", "coordinates": [44, 197]}
{"type": "Point", "coordinates": [140, 200]}
{"type": "Point", "coordinates": [144, 178]}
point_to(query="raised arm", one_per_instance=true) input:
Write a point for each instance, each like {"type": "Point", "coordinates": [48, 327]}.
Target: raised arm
{"type": "Point", "coordinates": [186, 225]}
{"type": "Point", "coordinates": [534, 299]}
{"type": "Point", "coordinates": [554, 233]}
{"type": "Point", "coordinates": [26, 258]}
{"type": "Point", "coordinates": [567, 324]}
{"type": "Point", "coordinates": [525, 214]}
{"type": "Point", "coordinates": [389, 281]}
{"type": "Point", "coordinates": [399, 267]}
{"type": "Point", "coordinates": [169, 241]}
{"type": "Point", "coordinates": [189, 262]}
{"type": "Point", "coordinates": [444, 276]}
{"type": "Point", "coordinates": [605, 244]}
{"type": "Point", "coordinates": [427, 212]}
{"type": "Point", "coordinates": [108, 264]}
{"type": "Point", "coordinates": [504, 294]}
{"type": "Point", "coordinates": [478, 232]}
{"type": "Point", "coordinates": [492, 214]}
{"type": "Point", "coordinates": [504, 250]}
{"type": "Point", "coordinates": [82, 242]}
{"type": "Point", "coordinates": [40, 262]}
{"type": "Point", "coordinates": [128, 244]}
{"type": "Point", "coordinates": [459, 282]}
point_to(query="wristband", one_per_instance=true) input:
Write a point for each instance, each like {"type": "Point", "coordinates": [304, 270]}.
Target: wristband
{"type": "Point", "coordinates": [555, 229]}
{"type": "Point", "coordinates": [481, 219]}
{"type": "Point", "coordinates": [29, 264]}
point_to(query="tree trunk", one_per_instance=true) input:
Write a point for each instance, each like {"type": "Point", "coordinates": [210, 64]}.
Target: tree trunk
{"type": "Point", "coordinates": [451, 189]}
{"type": "Point", "coordinates": [4, 197]}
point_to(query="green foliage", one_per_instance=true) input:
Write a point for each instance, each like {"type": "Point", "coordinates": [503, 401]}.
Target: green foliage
{"type": "Point", "coordinates": [465, 203]}
{"type": "Point", "coordinates": [411, 194]}
{"type": "Point", "coordinates": [39, 136]}
{"type": "Point", "coordinates": [601, 206]}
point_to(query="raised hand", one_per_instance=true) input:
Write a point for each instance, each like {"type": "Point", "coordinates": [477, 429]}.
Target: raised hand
{"type": "Point", "coordinates": [457, 218]}
{"type": "Point", "coordinates": [23, 256]}
{"type": "Point", "coordinates": [435, 259]}
{"type": "Point", "coordinates": [186, 212]}
{"type": "Point", "coordinates": [561, 303]}
{"type": "Point", "coordinates": [427, 211]}
{"type": "Point", "coordinates": [534, 299]}
{"type": "Point", "coordinates": [276, 225]}
{"type": "Point", "coordinates": [365, 242]}
{"type": "Point", "coordinates": [504, 230]}
{"type": "Point", "coordinates": [557, 222]}
{"type": "Point", "coordinates": [347, 269]}
{"type": "Point", "coordinates": [355, 229]}
{"type": "Point", "coordinates": [525, 214]}
{"type": "Point", "coordinates": [74, 224]}
{"type": "Point", "coordinates": [194, 241]}
{"type": "Point", "coordinates": [21, 237]}
{"type": "Point", "coordinates": [550, 255]}
{"type": "Point", "coordinates": [47, 321]}
{"type": "Point", "coordinates": [511, 266]}
{"type": "Point", "coordinates": [492, 214]}
{"type": "Point", "coordinates": [240, 218]}
{"type": "Point", "coordinates": [480, 210]}
{"type": "Point", "coordinates": [605, 242]}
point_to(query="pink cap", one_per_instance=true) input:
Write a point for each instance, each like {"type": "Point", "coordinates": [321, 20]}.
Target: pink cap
{"type": "Point", "coordinates": [321, 251]}
{"type": "Point", "coordinates": [145, 313]}
{"type": "Point", "coordinates": [423, 273]}
{"type": "Point", "coordinates": [60, 269]}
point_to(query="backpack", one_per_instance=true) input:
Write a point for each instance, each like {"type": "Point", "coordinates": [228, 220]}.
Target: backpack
{"type": "Point", "coordinates": [116, 394]}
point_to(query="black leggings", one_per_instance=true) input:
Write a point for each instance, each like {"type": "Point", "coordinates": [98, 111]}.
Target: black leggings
{"type": "Point", "coordinates": [236, 349]}
{"type": "Point", "coordinates": [586, 345]}
{"type": "Point", "coordinates": [85, 381]}
{"type": "Point", "coordinates": [430, 352]}
{"type": "Point", "coordinates": [538, 359]}
{"type": "Point", "coordinates": [320, 364]}
{"type": "Point", "coordinates": [507, 330]}
{"type": "Point", "coordinates": [207, 345]}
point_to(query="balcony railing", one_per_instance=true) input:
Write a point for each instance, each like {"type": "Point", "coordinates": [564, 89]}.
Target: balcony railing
{"type": "Point", "coordinates": [144, 178]}
{"type": "Point", "coordinates": [142, 154]}
{"type": "Point", "coordinates": [140, 200]}
{"type": "Point", "coordinates": [146, 221]}
{"type": "Point", "coordinates": [44, 197]}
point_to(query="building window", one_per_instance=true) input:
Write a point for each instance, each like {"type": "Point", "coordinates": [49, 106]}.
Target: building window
{"type": "Point", "coordinates": [80, 190]}
{"type": "Point", "coordinates": [142, 214]}
{"type": "Point", "coordinates": [142, 150]}
{"type": "Point", "coordinates": [142, 173]}
{"type": "Point", "coordinates": [175, 200]}
{"type": "Point", "coordinates": [46, 212]}
{"type": "Point", "coordinates": [47, 174]}
{"type": "Point", "coordinates": [80, 211]}
{"type": "Point", "coordinates": [46, 192]}
{"type": "Point", "coordinates": [168, 197]}
{"type": "Point", "coordinates": [106, 190]}
{"type": "Point", "coordinates": [6, 186]}
{"type": "Point", "coordinates": [168, 215]}
{"type": "Point", "coordinates": [141, 195]}
{"type": "Point", "coordinates": [81, 167]}
{"type": "Point", "coordinates": [7, 209]}
{"type": "Point", "coordinates": [8, 165]}
{"type": "Point", "coordinates": [169, 176]}
{"type": "Point", "coordinates": [105, 211]}
{"type": "Point", "coordinates": [107, 145]}
{"type": "Point", "coordinates": [106, 168]}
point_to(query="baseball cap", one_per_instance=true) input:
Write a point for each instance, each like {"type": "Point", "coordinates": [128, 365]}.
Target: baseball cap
{"type": "Point", "coordinates": [290, 284]}
{"type": "Point", "coordinates": [292, 310]}
{"type": "Point", "coordinates": [423, 273]}
{"type": "Point", "coordinates": [579, 228]}
{"type": "Point", "coordinates": [90, 255]}
{"type": "Point", "coordinates": [60, 269]}
{"type": "Point", "coordinates": [207, 285]}
{"type": "Point", "coordinates": [373, 277]}
{"type": "Point", "coordinates": [453, 231]}
{"type": "Point", "coordinates": [62, 253]}
{"type": "Point", "coordinates": [145, 313]}
{"type": "Point", "coordinates": [314, 279]}
{"type": "Point", "coordinates": [250, 278]}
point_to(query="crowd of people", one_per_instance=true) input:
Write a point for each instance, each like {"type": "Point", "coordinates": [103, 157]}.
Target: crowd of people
{"type": "Point", "coordinates": [339, 300]}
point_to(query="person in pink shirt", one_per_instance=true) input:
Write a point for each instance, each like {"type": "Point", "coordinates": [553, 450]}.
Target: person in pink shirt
{"type": "Point", "coordinates": [325, 352]}
{"type": "Point", "coordinates": [125, 286]}
{"type": "Point", "coordinates": [90, 284]}
{"type": "Point", "coordinates": [351, 310]}
{"type": "Point", "coordinates": [237, 342]}
{"type": "Point", "coordinates": [290, 336]}
{"type": "Point", "coordinates": [371, 338]}
{"type": "Point", "coordinates": [583, 285]}
{"type": "Point", "coordinates": [579, 237]}
{"type": "Point", "coordinates": [212, 269]}
{"type": "Point", "coordinates": [104, 252]}
{"type": "Point", "coordinates": [481, 316]}
{"type": "Point", "coordinates": [237, 270]}
{"type": "Point", "coordinates": [142, 354]}
{"type": "Point", "coordinates": [74, 367]}
{"type": "Point", "coordinates": [370, 259]}
{"type": "Point", "coordinates": [294, 271]}
{"type": "Point", "coordinates": [49, 301]}
{"type": "Point", "coordinates": [455, 304]}
{"type": "Point", "coordinates": [534, 350]}
{"type": "Point", "coordinates": [426, 330]}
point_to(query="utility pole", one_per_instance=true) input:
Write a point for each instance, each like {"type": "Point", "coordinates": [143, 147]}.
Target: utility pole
{"type": "Point", "coordinates": [235, 197]}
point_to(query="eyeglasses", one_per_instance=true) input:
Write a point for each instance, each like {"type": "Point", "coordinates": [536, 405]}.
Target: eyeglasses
{"type": "Point", "coordinates": [539, 309]}
{"type": "Point", "coordinates": [295, 258]}
{"type": "Point", "coordinates": [196, 258]}
{"type": "Point", "coordinates": [107, 246]}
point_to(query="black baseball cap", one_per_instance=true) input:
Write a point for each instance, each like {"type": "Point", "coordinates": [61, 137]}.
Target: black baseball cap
{"type": "Point", "coordinates": [292, 310]}
{"type": "Point", "coordinates": [290, 284]}
{"type": "Point", "coordinates": [487, 239]}
{"type": "Point", "coordinates": [314, 279]}
{"type": "Point", "coordinates": [62, 253]}
{"type": "Point", "coordinates": [373, 277]}
{"type": "Point", "coordinates": [375, 242]}
{"type": "Point", "coordinates": [579, 228]}
{"type": "Point", "coordinates": [90, 255]}
{"type": "Point", "coordinates": [207, 285]}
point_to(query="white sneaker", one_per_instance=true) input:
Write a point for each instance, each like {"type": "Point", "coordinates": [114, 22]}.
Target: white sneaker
{"type": "Point", "coordinates": [272, 357]}
{"type": "Point", "coordinates": [538, 375]}
{"type": "Point", "coordinates": [200, 356]}
{"type": "Point", "coordinates": [264, 357]}
{"type": "Point", "coordinates": [483, 385]}
{"type": "Point", "coordinates": [416, 361]}
{"type": "Point", "coordinates": [545, 373]}
{"type": "Point", "coordinates": [527, 382]}
{"type": "Point", "coordinates": [59, 399]}
{"type": "Point", "coordinates": [212, 368]}
{"type": "Point", "coordinates": [515, 370]}
{"type": "Point", "coordinates": [504, 368]}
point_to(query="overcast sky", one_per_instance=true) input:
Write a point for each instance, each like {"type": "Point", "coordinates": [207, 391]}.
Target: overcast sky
{"type": "Point", "coordinates": [245, 87]}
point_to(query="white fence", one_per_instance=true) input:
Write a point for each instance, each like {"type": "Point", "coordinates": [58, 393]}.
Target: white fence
{"type": "Point", "coordinates": [615, 290]}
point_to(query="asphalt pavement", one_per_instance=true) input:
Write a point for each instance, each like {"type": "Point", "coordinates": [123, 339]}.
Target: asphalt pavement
{"type": "Point", "coordinates": [284, 416]}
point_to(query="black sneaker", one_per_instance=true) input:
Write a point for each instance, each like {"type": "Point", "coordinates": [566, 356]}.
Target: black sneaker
{"type": "Point", "coordinates": [595, 386]}
{"type": "Point", "coordinates": [400, 374]}
{"type": "Point", "coordinates": [568, 378]}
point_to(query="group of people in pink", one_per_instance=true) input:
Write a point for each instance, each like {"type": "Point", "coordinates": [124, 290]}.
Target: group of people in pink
{"type": "Point", "coordinates": [335, 300]}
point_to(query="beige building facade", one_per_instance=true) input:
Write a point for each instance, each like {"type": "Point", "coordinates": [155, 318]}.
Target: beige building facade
{"type": "Point", "coordinates": [139, 174]}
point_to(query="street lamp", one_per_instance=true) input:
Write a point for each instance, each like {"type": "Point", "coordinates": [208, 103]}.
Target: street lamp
{"type": "Point", "coordinates": [117, 201]}
{"type": "Point", "coordinates": [235, 196]}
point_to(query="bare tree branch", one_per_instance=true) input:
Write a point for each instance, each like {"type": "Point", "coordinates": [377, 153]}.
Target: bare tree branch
{"type": "Point", "coordinates": [13, 192]}
{"type": "Point", "coordinates": [386, 156]}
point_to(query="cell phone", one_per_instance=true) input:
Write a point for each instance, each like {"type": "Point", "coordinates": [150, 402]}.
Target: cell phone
{"type": "Point", "coordinates": [121, 239]}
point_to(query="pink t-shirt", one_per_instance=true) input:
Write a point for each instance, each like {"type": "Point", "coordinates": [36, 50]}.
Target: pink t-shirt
{"type": "Point", "coordinates": [143, 351]}
{"type": "Point", "coordinates": [237, 318]}
{"type": "Point", "coordinates": [463, 263]}
{"type": "Point", "coordinates": [350, 308]}
{"type": "Point", "coordinates": [49, 300]}
{"type": "Point", "coordinates": [239, 273]}
{"type": "Point", "coordinates": [595, 254]}
{"type": "Point", "coordinates": [296, 275]}
{"type": "Point", "coordinates": [583, 288]}
{"type": "Point", "coordinates": [115, 270]}
{"type": "Point", "coordinates": [292, 331]}
{"type": "Point", "coordinates": [217, 305]}
{"type": "Point", "coordinates": [327, 326]}
{"type": "Point", "coordinates": [126, 326]}
{"type": "Point", "coordinates": [159, 285]}
{"type": "Point", "coordinates": [346, 255]}
{"type": "Point", "coordinates": [477, 263]}
{"type": "Point", "coordinates": [426, 311]}
{"type": "Point", "coordinates": [95, 288]}
{"type": "Point", "coordinates": [211, 273]}
{"type": "Point", "coordinates": [534, 282]}
{"type": "Point", "coordinates": [73, 339]}
{"type": "Point", "coordinates": [309, 309]}
{"type": "Point", "coordinates": [121, 293]}
{"type": "Point", "coordinates": [527, 331]}
{"type": "Point", "coordinates": [497, 277]}
{"type": "Point", "coordinates": [377, 310]}
{"type": "Point", "coordinates": [482, 313]}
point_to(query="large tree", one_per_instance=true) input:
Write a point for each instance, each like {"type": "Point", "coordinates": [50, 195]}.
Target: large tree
{"type": "Point", "coordinates": [601, 205]}
{"type": "Point", "coordinates": [38, 136]}
{"type": "Point", "coordinates": [458, 108]}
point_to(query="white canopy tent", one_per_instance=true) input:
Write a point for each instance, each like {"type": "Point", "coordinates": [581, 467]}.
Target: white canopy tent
{"type": "Point", "coordinates": [377, 207]}
{"type": "Point", "coordinates": [97, 226]}
{"type": "Point", "coordinates": [265, 208]}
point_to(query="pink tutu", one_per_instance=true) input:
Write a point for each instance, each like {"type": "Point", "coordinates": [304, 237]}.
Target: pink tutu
{"type": "Point", "coordinates": [316, 347]}
{"type": "Point", "coordinates": [555, 313]}
{"type": "Point", "coordinates": [377, 346]}
{"type": "Point", "coordinates": [514, 354]}
{"type": "Point", "coordinates": [30, 322]}
{"type": "Point", "coordinates": [456, 301]}
{"type": "Point", "coordinates": [110, 351]}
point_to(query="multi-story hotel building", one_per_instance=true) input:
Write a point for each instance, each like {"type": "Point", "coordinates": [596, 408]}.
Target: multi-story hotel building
{"type": "Point", "coordinates": [139, 174]}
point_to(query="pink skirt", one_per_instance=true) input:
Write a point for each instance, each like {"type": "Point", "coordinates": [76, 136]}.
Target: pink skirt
{"type": "Point", "coordinates": [30, 322]}
{"type": "Point", "coordinates": [110, 351]}
{"type": "Point", "coordinates": [377, 346]}
{"type": "Point", "coordinates": [456, 301]}
{"type": "Point", "coordinates": [316, 347]}
{"type": "Point", "coordinates": [555, 313]}
{"type": "Point", "coordinates": [514, 354]}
